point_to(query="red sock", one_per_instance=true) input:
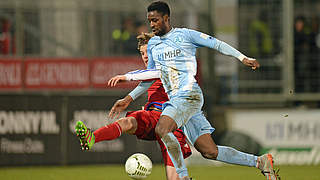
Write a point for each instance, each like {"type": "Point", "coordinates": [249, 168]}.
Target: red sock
{"type": "Point", "coordinates": [109, 132]}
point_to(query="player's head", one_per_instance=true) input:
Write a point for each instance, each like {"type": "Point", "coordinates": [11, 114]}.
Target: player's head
{"type": "Point", "coordinates": [159, 17]}
{"type": "Point", "coordinates": [143, 39]}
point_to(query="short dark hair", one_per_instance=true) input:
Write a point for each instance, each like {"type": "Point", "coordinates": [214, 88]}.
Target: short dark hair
{"type": "Point", "coordinates": [160, 6]}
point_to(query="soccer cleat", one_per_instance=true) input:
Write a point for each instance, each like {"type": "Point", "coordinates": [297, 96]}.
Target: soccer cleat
{"type": "Point", "coordinates": [85, 136]}
{"type": "Point", "coordinates": [265, 164]}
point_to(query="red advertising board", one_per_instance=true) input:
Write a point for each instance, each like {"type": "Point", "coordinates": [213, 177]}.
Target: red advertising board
{"type": "Point", "coordinates": [102, 69]}
{"type": "Point", "coordinates": [56, 73]}
{"type": "Point", "coordinates": [10, 74]}
{"type": "Point", "coordinates": [66, 73]}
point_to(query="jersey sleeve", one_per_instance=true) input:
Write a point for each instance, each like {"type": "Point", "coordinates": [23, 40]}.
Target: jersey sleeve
{"type": "Point", "coordinates": [143, 75]}
{"type": "Point", "coordinates": [200, 39]}
{"type": "Point", "coordinates": [140, 89]}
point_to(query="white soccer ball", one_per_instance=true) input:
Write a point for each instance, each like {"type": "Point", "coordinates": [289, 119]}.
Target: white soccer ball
{"type": "Point", "coordinates": [138, 166]}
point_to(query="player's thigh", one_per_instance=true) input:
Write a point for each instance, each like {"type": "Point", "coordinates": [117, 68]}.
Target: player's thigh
{"type": "Point", "coordinates": [206, 146]}
{"type": "Point", "coordinates": [128, 124]}
{"type": "Point", "coordinates": [171, 173]}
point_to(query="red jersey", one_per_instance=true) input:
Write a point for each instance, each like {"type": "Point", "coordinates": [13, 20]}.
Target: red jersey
{"type": "Point", "coordinates": [156, 93]}
{"type": "Point", "coordinates": [148, 118]}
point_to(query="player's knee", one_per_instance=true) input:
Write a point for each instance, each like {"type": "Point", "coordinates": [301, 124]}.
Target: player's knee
{"type": "Point", "coordinates": [128, 124]}
{"type": "Point", "coordinates": [210, 154]}
{"type": "Point", "coordinates": [160, 131]}
{"type": "Point", "coordinates": [165, 125]}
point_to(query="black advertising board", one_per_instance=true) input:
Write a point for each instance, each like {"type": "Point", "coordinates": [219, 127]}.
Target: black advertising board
{"type": "Point", "coordinates": [39, 130]}
{"type": "Point", "coordinates": [30, 130]}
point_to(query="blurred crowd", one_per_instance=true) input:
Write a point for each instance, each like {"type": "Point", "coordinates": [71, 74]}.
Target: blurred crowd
{"type": "Point", "coordinates": [7, 40]}
{"type": "Point", "coordinates": [125, 37]}
{"type": "Point", "coordinates": [306, 54]}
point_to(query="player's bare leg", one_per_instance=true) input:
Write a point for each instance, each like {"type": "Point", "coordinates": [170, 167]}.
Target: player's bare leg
{"type": "Point", "coordinates": [164, 129]}
{"type": "Point", "coordinates": [128, 125]}
{"type": "Point", "coordinates": [165, 125]}
{"type": "Point", "coordinates": [109, 132]}
{"type": "Point", "coordinates": [171, 173]}
{"type": "Point", "coordinates": [208, 149]}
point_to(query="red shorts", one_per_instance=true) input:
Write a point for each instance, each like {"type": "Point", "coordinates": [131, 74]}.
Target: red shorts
{"type": "Point", "coordinates": [147, 121]}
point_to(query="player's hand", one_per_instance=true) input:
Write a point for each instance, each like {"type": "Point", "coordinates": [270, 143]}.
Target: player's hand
{"type": "Point", "coordinates": [119, 106]}
{"type": "Point", "coordinates": [114, 80]}
{"type": "Point", "coordinates": [253, 63]}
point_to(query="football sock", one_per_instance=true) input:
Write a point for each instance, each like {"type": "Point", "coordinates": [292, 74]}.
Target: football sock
{"type": "Point", "coordinates": [175, 153]}
{"type": "Point", "coordinates": [109, 132]}
{"type": "Point", "coordinates": [233, 156]}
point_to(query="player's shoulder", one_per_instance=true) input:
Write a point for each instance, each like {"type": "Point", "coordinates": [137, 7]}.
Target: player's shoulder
{"type": "Point", "coordinates": [154, 40]}
{"type": "Point", "coordinates": [182, 30]}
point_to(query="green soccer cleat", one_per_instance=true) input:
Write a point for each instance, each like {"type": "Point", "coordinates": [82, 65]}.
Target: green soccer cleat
{"type": "Point", "coordinates": [85, 136]}
{"type": "Point", "coordinates": [265, 164]}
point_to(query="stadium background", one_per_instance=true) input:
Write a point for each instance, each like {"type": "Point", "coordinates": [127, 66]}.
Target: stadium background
{"type": "Point", "coordinates": [56, 57]}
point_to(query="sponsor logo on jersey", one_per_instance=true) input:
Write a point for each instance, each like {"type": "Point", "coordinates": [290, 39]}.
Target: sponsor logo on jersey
{"type": "Point", "coordinates": [170, 54]}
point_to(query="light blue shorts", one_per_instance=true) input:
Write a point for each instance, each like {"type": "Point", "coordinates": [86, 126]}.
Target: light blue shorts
{"type": "Point", "coordinates": [197, 126]}
{"type": "Point", "coordinates": [186, 111]}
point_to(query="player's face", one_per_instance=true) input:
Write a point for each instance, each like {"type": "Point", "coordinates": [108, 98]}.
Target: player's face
{"type": "Point", "coordinates": [158, 23]}
{"type": "Point", "coordinates": [144, 55]}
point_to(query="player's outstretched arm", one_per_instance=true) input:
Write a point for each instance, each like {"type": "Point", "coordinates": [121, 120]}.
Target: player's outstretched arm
{"type": "Point", "coordinates": [120, 106]}
{"type": "Point", "coordinates": [200, 39]}
{"type": "Point", "coordinates": [134, 76]}
{"type": "Point", "coordinates": [142, 75]}
{"type": "Point", "coordinates": [226, 49]}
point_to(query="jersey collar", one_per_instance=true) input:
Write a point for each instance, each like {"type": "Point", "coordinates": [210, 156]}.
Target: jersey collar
{"type": "Point", "coordinates": [167, 34]}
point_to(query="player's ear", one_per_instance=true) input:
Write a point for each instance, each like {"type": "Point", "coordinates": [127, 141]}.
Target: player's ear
{"type": "Point", "coordinates": [166, 18]}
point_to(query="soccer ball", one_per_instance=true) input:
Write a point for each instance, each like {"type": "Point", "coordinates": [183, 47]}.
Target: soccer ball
{"type": "Point", "coordinates": [138, 166]}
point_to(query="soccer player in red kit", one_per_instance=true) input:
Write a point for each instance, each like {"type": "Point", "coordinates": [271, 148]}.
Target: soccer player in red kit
{"type": "Point", "coordinates": [141, 123]}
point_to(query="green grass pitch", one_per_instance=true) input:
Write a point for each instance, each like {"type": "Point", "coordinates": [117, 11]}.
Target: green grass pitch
{"type": "Point", "coordinates": [116, 172]}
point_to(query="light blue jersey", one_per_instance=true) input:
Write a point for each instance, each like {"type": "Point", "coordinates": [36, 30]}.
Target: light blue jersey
{"type": "Point", "coordinates": [174, 55]}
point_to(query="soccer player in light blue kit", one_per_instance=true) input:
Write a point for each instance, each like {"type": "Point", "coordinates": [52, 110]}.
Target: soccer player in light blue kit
{"type": "Point", "coordinates": [171, 55]}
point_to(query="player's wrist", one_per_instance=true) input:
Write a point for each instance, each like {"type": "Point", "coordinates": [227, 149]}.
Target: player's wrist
{"type": "Point", "coordinates": [241, 57]}
{"type": "Point", "coordinates": [128, 99]}
{"type": "Point", "coordinates": [128, 77]}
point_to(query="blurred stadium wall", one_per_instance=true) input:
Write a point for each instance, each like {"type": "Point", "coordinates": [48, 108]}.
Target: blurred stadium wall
{"type": "Point", "coordinates": [56, 56]}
